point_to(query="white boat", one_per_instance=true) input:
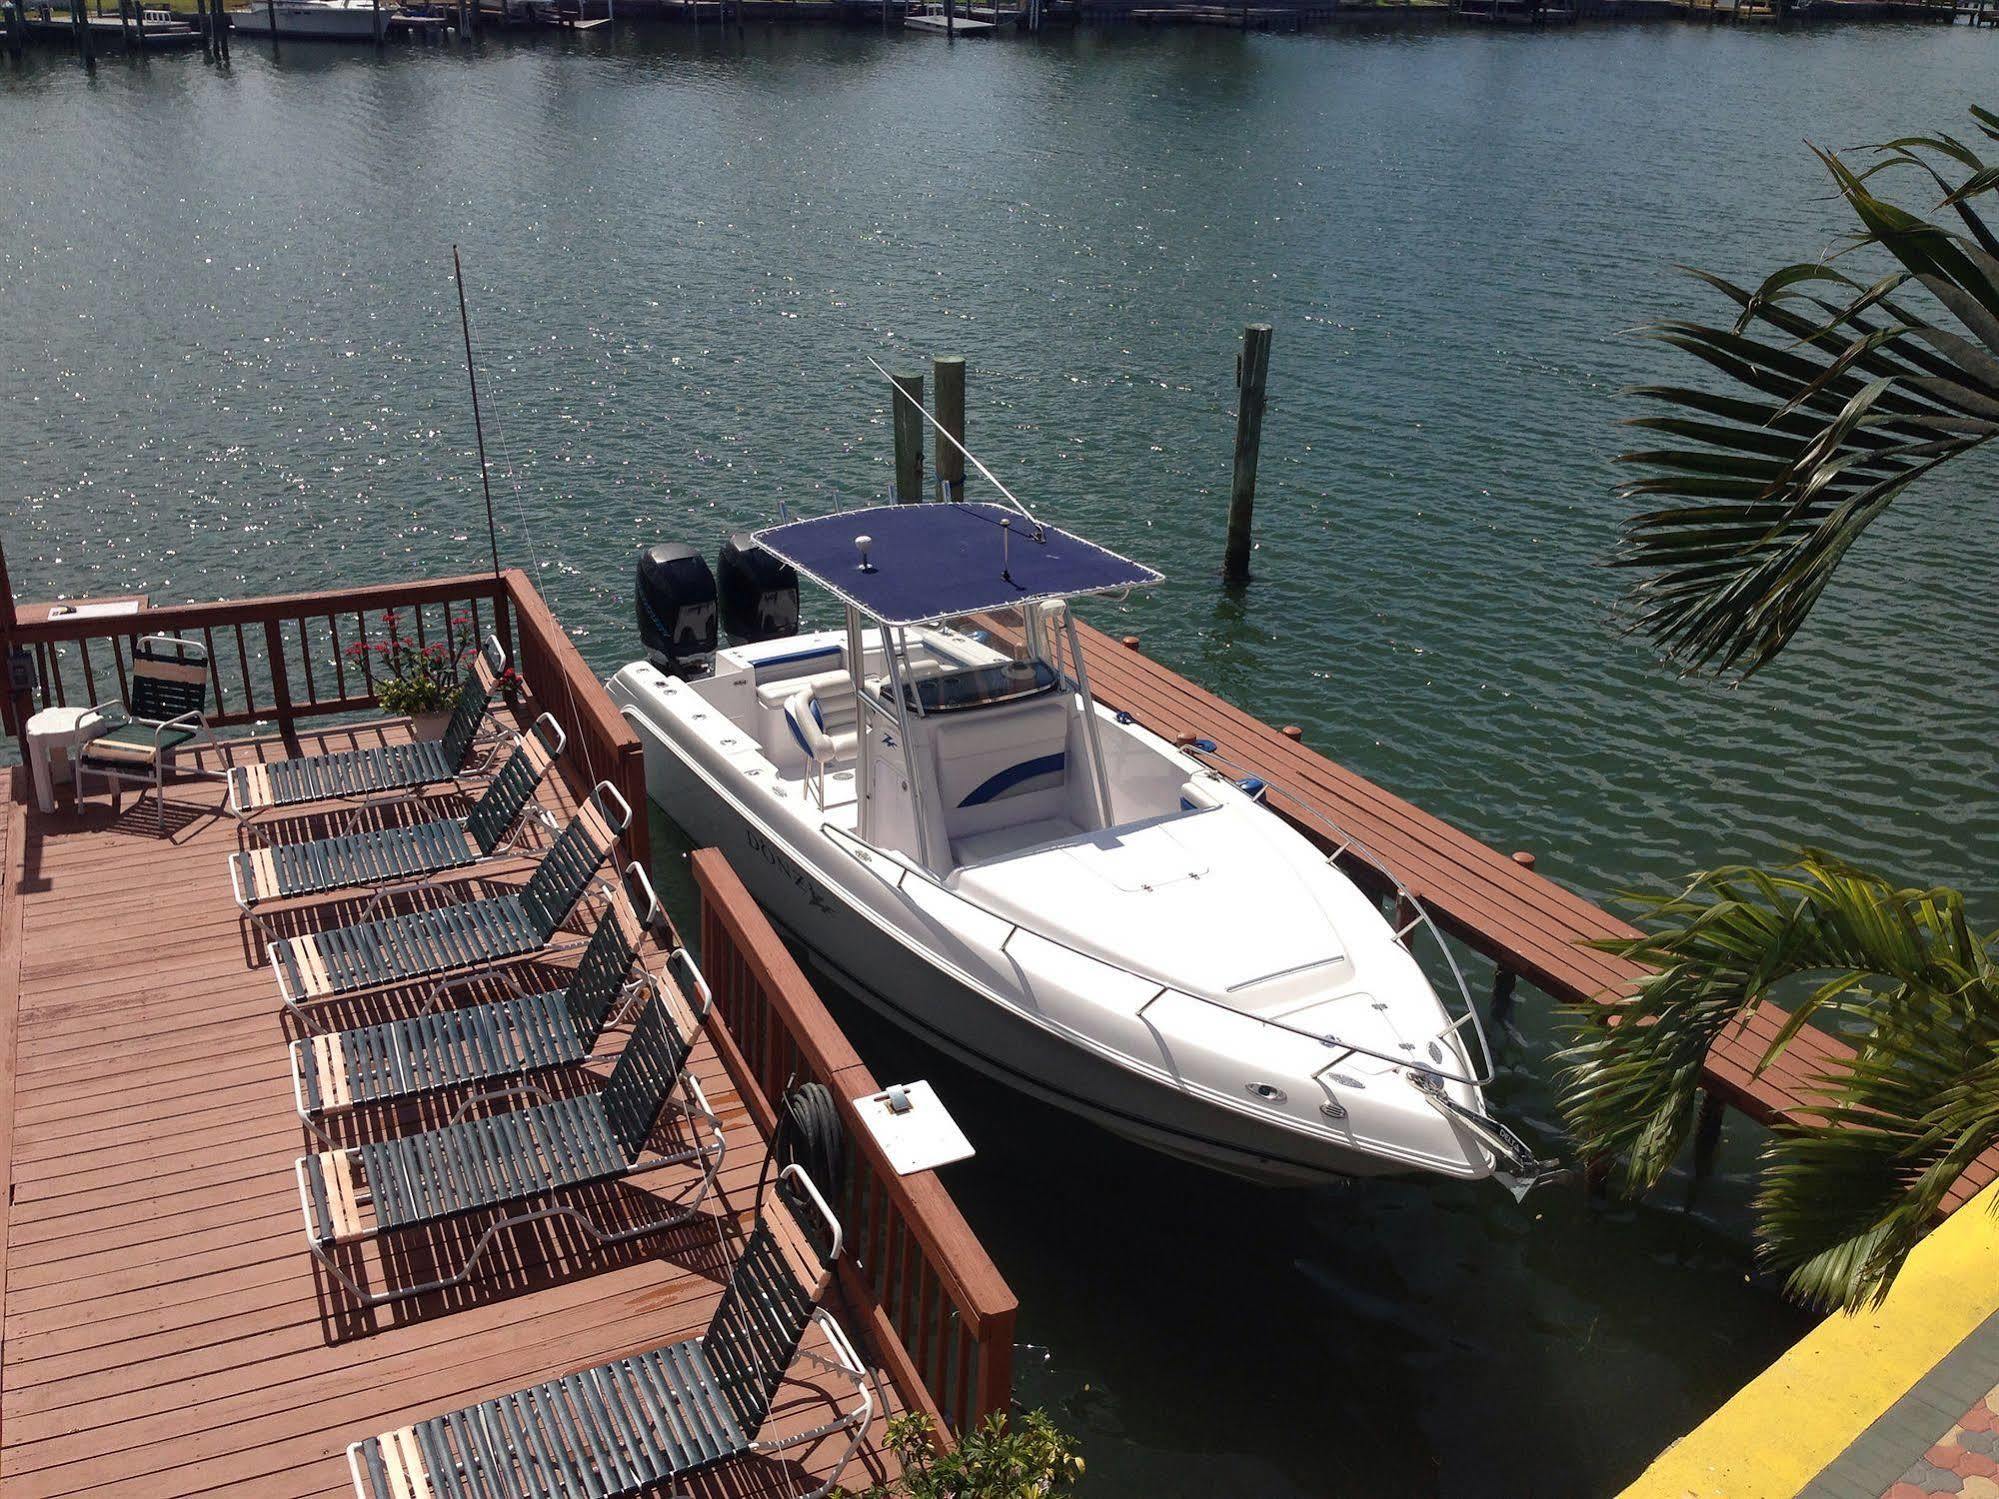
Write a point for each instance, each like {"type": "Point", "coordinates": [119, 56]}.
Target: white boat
{"type": "Point", "coordinates": [927, 15]}
{"type": "Point", "coordinates": [322, 20]}
{"type": "Point", "coordinates": [932, 803]}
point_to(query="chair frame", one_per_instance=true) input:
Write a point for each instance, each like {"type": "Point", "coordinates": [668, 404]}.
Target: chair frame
{"type": "Point", "coordinates": [195, 719]}
{"type": "Point", "coordinates": [302, 1005]}
{"type": "Point", "coordinates": [531, 813]}
{"type": "Point", "coordinates": [254, 822]}
{"type": "Point", "coordinates": [410, 1473]}
{"type": "Point", "coordinates": [845, 1363]}
{"type": "Point", "coordinates": [692, 1105]}
{"type": "Point", "coordinates": [632, 993]}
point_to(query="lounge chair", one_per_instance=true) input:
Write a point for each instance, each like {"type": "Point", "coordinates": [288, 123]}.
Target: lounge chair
{"type": "Point", "coordinates": [349, 774]}
{"type": "Point", "coordinates": [165, 707]}
{"type": "Point", "coordinates": [471, 934]}
{"type": "Point", "coordinates": [516, 1162]}
{"type": "Point", "coordinates": [507, 1038]}
{"type": "Point", "coordinates": [638, 1424]}
{"type": "Point", "coordinates": [399, 855]}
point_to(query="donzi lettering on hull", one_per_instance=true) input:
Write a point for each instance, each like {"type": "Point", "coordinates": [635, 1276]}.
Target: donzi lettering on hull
{"type": "Point", "coordinates": [777, 860]}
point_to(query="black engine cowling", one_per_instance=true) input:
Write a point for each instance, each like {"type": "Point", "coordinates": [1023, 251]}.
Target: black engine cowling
{"type": "Point", "coordinates": [759, 592]}
{"type": "Point", "coordinates": [676, 604]}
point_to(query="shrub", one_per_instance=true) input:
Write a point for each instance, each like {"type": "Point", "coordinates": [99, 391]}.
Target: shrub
{"type": "Point", "coordinates": [1001, 1459]}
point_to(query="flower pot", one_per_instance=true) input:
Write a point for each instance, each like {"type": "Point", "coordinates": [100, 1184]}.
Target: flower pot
{"type": "Point", "coordinates": [429, 725]}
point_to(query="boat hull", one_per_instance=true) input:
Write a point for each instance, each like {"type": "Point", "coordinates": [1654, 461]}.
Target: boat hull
{"type": "Point", "coordinates": [302, 24]}
{"type": "Point", "coordinates": [860, 946]}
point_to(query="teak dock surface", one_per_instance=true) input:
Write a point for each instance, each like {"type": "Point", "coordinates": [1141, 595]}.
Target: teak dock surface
{"type": "Point", "coordinates": [1525, 923]}
{"type": "Point", "coordinates": [165, 1331]}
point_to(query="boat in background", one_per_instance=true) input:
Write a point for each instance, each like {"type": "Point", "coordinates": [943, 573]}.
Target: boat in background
{"type": "Point", "coordinates": [929, 15]}
{"type": "Point", "coordinates": [930, 799]}
{"type": "Point", "coordinates": [315, 20]}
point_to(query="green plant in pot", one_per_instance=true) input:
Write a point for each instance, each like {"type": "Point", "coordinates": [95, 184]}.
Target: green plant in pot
{"type": "Point", "coordinates": [412, 677]}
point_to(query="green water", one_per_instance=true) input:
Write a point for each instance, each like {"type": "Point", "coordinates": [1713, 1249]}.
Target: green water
{"type": "Point", "coordinates": [230, 363]}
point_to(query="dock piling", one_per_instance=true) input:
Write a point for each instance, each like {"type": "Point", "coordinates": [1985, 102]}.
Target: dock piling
{"type": "Point", "coordinates": [948, 372]}
{"type": "Point", "coordinates": [1252, 368]}
{"type": "Point", "coordinates": [1500, 1011]}
{"type": "Point", "coordinates": [908, 400]}
{"type": "Point", "coordinates": [86, 43]}
{"type": "Point", "coordinates": [16, 26]}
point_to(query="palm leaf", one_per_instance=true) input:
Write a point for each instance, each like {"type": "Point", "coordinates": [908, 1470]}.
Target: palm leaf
{"type": "Point", "coordinates": [1844, 1198]}
{"type": "Point", "coordinates": [1845, 392]}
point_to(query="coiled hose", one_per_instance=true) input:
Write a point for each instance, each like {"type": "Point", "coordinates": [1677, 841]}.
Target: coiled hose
{"type": "Point", "coordinates": [809, 1136]}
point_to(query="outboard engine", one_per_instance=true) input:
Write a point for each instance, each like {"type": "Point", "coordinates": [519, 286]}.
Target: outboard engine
{"type": "Point", "coordinates": [759, 592]}
{"type": "Point", "coordinates": [676, 598]}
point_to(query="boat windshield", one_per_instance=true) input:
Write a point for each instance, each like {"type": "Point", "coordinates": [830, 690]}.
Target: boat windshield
{"type": "Point", "coordinates": [978, 686]}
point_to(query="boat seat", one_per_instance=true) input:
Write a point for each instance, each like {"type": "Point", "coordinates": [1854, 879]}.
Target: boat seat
{"type": "Point", "coordinates": [1000, 843]}
{"type": "Point", "coordinates": [792, 736]}
{"type": "Point", "coordinates": [824, 684]}
{"type": "Point", "coordinates": [1002, 767]}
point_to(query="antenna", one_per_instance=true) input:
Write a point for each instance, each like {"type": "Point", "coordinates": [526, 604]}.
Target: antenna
{"type": "Point", "coordinates": [478, 426]}
{"type": "Point", "coordinates": [970, 456]}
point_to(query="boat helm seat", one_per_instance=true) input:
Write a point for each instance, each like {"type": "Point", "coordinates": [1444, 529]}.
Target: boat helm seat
{"type": "Point", "coordinates": [825, 709]}
{"type": "Point", "coordinates": [815, 738]}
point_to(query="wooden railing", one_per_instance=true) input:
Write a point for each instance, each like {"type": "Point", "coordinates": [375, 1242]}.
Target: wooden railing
{"type": "Point", "coordinates": [944, 1316]}
{"type": "Point", "coordinates": [288, 658]}
{"type": "Point", "coordinates": [270, 660]}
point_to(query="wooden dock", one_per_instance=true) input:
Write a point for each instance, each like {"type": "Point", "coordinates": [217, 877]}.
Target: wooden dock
{"type": "Point", "coordinates": [1495, 903]}
{"type": "Point", "coordinates": [157, 35]}
{"type": "Point", "coordinates": [163, 1330]}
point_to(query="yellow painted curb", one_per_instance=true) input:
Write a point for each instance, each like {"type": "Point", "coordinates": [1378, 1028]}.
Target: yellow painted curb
{"type": "Point", "coordinates": [1799, 1414]}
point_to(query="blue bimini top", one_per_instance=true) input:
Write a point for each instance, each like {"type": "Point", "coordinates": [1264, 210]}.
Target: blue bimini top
{"type": "Point", "coordinates": [935, 561]}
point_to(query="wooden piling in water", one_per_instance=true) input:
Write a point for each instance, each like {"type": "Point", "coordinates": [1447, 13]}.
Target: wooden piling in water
{"type": "Point", "coordinates": [1252, 368]}
{"type": "Point", "coordinates": [86, 43]}
{"type": "Point", "coordinates": [949, 375]}
{"type": "Point", "coordinates": [16, 27]}
{"type": "Point", "coordinates": [908, 401]}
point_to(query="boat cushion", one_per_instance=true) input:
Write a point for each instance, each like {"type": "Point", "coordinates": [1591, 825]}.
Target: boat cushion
{"type": "Point", "coordinates": [806, 722]}
{"type": "Point", "coordinates": [1002, 766]}
{"type": "Point", "coordinates": [825, 684]}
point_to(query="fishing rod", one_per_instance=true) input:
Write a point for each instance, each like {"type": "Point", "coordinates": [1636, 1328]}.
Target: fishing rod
{"type": "Point", "coordinates": [478, 426]}
{"type": "Point", "coordinates": [970, 457]}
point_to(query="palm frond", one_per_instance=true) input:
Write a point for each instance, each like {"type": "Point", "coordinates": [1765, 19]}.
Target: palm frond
{"type": "Point", "coordinates": [1846, 1197]}
{"type": "Point", "coordinates": [1846, 392]}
